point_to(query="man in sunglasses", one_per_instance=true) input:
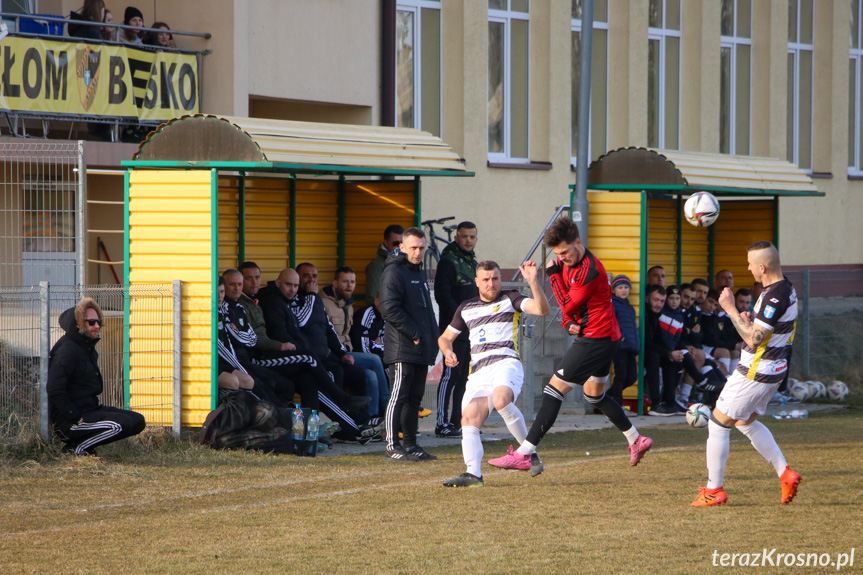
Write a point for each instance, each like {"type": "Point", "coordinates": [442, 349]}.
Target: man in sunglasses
{"type": "Point", "coordinates": [75, 383]}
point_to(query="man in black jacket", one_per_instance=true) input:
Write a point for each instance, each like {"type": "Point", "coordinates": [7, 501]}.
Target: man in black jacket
{"type": "Point", "coordinates": [410, 343]}
{"type": "Point", "coordinates": [75, 382]}
{"type": "Point", "coordinates": [454, 284]}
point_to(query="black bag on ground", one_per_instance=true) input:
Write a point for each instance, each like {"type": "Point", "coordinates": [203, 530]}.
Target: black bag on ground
{"type": "Point", "coordinates": [243, 421]}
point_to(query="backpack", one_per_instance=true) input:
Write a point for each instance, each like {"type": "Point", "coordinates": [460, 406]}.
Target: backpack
{"type": "Point", "coordinates": [243, 421]}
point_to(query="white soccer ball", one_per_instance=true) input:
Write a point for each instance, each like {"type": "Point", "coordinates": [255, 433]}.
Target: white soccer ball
{"type": "Point", "coordinates": [837, 391]}
{"type": "Point", "coordinates": [698, 415]}
{"type": "Point", "coordinates": [701, 209]}
{"type": "Point", "coordinates": [817, 390]}
{"type": "Point", "coordinates": [799, 390]}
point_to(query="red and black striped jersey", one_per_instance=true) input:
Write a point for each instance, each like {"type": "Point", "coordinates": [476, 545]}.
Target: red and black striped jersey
{"type": "Point", "coordinates": [584, 297]}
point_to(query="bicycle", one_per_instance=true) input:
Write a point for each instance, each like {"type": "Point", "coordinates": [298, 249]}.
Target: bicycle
{"type": "Point", "coordinates": [433, 252]}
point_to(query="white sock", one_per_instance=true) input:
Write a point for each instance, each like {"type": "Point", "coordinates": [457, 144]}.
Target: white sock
{"type": "Point", "coordinates": [526, 448]}
{"type": "Point", "coordinates": [631, 434]}
{"type": "Point", "coordinates": [683, 391]}
{"type": "Point", "coordinates": [726, 361]}
{"type": "Point", "coordinates": [763, 442]}
{"type": "Point", "coordinates": [733, 363]}
{"type": "Point", "coordinates": [514, 420]}
{"type": "Point", "coordinates": [718, 441]}
{"type": "Point", "coordinates": [471, 448]}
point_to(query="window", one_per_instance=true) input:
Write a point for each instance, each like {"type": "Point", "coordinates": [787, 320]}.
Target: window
{"type": "Point", "coordinates": [49, 218]}
{"type": "Point", "coordinates": [598, 78]}
{"type": "Point", "coordinates": [799, 124]}
{"type": "Point", "coordinates": [663, 74]}
{"type": "Point", "coordinates": [855, 101]}
{"type": "Point", "coordinates": [418, 65]}
{"type": "Point", "coordinates": [735, 64]}
{"type": "Point", "coordinates": [508, 79]}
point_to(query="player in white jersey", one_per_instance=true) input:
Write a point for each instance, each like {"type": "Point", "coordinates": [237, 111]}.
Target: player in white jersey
{"type": "Point", "coordinates": [763, 365]}
{"type": "Point", "coordinates": [496, 373]}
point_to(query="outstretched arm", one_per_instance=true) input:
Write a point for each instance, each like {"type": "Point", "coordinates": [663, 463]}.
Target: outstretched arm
{"type": "Point", "coordinates": [538, 305]}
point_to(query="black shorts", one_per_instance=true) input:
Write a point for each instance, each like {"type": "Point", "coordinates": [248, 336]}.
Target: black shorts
{"type": "Point", "coordinates": [587, 357]}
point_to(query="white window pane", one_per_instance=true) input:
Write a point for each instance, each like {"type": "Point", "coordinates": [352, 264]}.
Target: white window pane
{"type": "Point", "coordinates": [858, 99]}
{"type": "Point", "coordinates": [744, 19]}
{"type": "Point", "coordinates": [519, 88]}
{"type": "Point", "coordinates": [599, 94]}
{"type": "Point", "coordinates": [497, 4]}
{"type": "Point", "coordinates": [852, 110]}
{"type": "Point", "coordinates": [672, 92]}
{"type": "Point", "coordinates": [742, 100]}
{"type": "Point", "coordinates": [495, 87]}
{"type": "Point", "coordinates": [792, 20]}
{"type": "Point", "coordinates": [726, 18]}
{"type": "Point", "coordinates": [520, 5]}
{"type": "Point", "coordinates": [405, 68]}
{"type": "Point", "coordinates": [654, 15]}
{"type": "Point", "coordinates": [672, 14]}
{"type": "Point", "coordinates": [855, 23]}
{"type": "Point", "coordinates": [653, 77]}
{"type": "Point", "coordinates": [806, 16]}
{"type": "Point", "coordinates": [725, 100]}
{"type": "Point", "coordinates": [805, 116]}
{"type": "Point", "coordinates": [430, 71]}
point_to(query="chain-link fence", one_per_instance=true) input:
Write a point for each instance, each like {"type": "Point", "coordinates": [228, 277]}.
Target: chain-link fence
{"type": "Point", "coordinates": [30, 327]}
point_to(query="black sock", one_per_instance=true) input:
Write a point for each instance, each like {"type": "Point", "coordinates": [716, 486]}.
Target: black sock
{"type": "Point", "coordinates": [611, 409]}
{"type": "Point", "coordinates": [547, 414]}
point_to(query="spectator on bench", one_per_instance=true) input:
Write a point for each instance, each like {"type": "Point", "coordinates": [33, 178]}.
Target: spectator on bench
{"type": "Point", "coordinates": [724, 278]}
{"type": "Point", "coordinates": [375, 268]}
{"type": "Point", "coordinates": [339, 304]}
{"type": "Point", "coordinates": [656, 276]}
{"type": "Point", "coordinates": [75, 383]}
{"type": "Point", "coordinates": [701, 288]}
{"type": "Point", "coordinates": [232, 374]}
{"type": "Point", "coordinates": [367, 333]}
{"type": "Point", "coordinates": [719, 342]}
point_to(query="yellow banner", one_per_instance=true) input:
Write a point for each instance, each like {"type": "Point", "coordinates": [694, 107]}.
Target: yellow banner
{"type": "Point", "coordinates": [96, 80]}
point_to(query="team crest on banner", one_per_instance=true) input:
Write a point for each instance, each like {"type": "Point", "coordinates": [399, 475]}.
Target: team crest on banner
{"type": "Point", "coordinates": [87, 71]}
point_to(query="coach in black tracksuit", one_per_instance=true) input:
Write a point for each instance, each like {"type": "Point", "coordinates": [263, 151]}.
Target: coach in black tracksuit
{"type": "Point", "coordinates": [410, 343]}
{"type": "Point", "coordinates": [75, 383]}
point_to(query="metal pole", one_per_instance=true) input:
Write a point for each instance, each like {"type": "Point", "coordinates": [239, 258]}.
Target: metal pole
{"type": "Point", "coordinates": [803, 318]}
{"type": "Point", "coordinates": [80, 232]}
{"type": "Point", "coordinates": [177, 395]}
{"type": "Point", "coordinates": [580, 208]}
{"type": "Point", "coordinates": [44, 350]}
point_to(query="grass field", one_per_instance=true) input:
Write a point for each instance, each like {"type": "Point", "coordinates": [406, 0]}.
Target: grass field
{"type": "Point", "coordinates": [165, 506]}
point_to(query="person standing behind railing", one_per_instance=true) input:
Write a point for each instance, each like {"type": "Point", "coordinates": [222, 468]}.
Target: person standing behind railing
{"type": "Point", "coordinates": [84, 22]}
{"type": "Point", "coordinates": [109, 33]}
{"type": "Point", "coordinates": [132, 17]}
{"type": "Point", "coordinates": [162, 39]}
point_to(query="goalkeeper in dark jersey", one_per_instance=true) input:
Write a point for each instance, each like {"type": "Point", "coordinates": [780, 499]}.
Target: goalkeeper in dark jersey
{"type": "Point", "coordinates": [581, 288]}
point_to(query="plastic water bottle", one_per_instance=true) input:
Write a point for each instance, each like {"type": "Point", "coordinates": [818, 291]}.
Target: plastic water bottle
{"type": "Point", "coordinates": [798, 414]}
{"type": "Point", "coordinates": [312, 435]}
{"type": "Point", "coordinates": [298, 426]}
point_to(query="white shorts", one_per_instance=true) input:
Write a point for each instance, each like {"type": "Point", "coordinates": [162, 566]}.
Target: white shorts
{"type": "Point", "coordinates": [504, 373]}
{"type": "Point", "coordinates": [741, 397]}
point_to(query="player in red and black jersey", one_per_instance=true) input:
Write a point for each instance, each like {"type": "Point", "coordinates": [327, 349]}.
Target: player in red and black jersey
{"type": "Point", "coordinates": [582, 291]}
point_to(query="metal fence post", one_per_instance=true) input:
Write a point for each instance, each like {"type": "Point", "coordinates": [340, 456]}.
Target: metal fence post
{"type": "Point", "coordinates": [177, 394]}
{"type": "Point", "coordinates": [44, 350]}
{"type": "Point", "coordinates": [803, 319]}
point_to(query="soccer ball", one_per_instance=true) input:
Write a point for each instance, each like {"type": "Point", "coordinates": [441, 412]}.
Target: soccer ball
{"type": "Point", "coordinates": [701, 209]}
{"type": "Point", "coordinates": [817, 390]}
{"type": "Point", "coordinates": [799, 390]}
{"type": "Point", "coordinates": [698, 415]}
{"type": "Point", "coordinates": [837, 391]}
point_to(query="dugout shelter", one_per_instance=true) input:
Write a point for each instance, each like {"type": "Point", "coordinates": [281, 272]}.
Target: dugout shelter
{"type": "Point", "coordinates": [636, 198]}
{"type": "Point", "coordinates": [205, 192]}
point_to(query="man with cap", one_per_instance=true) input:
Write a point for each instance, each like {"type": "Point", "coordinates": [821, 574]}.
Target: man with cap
{"type": "Point", "coordinates": [626, 357]}
{"type": "Point", "coordinates": [132, 17]}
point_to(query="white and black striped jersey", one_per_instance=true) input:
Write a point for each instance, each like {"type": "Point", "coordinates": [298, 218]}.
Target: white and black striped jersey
{"type": "Point", "coordinates": [492, 327]}
{"type": "Point", "coordinates": [775, 311]}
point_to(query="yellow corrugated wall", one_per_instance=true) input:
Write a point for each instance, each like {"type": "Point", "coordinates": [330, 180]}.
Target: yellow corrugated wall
{"type": "Point", "coordinates": [370, 208]}
{"type": "Point", "coordinates": [170, 238]}
{"type": "Point", "coordinates": [318, 226]}
{"type": "Point", "coordinates": [740, 223]}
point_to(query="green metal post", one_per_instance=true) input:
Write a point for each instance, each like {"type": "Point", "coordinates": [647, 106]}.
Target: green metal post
{"type": "Point", "coordinates": [241, 217]}
{"type": "Point", "coordinates": [711, 256]}
{"type": "Point", "coordinates": [642, 264]}
{"type": "Point", "coordinates": [214, 278]}
{"type": "Point", "coordinates": [127, 299]}
{"type": "Point", "coordinates": [776, 221]}
{"type": "Point", "coordinates": [341, 210]}
{"type": "Point", "coordinates": [418, 202]}
{"type": "Point", "coordinates": [679, 239]}
{"type": "Point", "coordinates": [293, 222]}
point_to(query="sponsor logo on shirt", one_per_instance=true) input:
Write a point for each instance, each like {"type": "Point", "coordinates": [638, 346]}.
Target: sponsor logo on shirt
{"type": "Point", "coordinates": [769, 311]}
{"type": "Point", "coordinates": [482, 335]}
{"type": "Point", "coordinates": [780, 367]}
{"type": "Point", "coordinates": [496, 308]}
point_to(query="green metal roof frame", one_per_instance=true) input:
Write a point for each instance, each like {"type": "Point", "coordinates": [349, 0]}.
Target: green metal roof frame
{"type": "Point", "coordinates": [292, 169]}
{"type": "Point", "coordinates": [679, 190]}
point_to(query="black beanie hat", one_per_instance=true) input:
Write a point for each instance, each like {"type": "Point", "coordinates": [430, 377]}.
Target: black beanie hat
{"type": "Point", "coordinates": [131, 12]}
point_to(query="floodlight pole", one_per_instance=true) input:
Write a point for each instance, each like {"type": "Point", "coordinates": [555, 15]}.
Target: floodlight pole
{"type": "Point", "coordinates": [580, 208]}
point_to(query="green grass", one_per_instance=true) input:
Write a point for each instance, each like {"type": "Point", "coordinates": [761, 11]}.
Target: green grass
{"type": "Point", "coordinates": [167, 506]}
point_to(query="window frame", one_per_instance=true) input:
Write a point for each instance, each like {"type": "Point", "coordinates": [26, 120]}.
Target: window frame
{"type": "Point", "coordinates": [416, 7]}
{"type": "Point", "coordinates": [506, 17]}
{"type": "Point", "coordinates": [662, 35]}
{"type": "Point", "coordinates": [795, 49]}
{"type": "Point", "coordinates": [855, 122]}
{"type": "Point", "coordinates": [576, 26]}
{"type": "Point", "coordinates": [733, 42]}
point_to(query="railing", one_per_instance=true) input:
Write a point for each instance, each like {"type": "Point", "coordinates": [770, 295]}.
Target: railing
{"type": "Point", "coordinates": [61, 20]}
